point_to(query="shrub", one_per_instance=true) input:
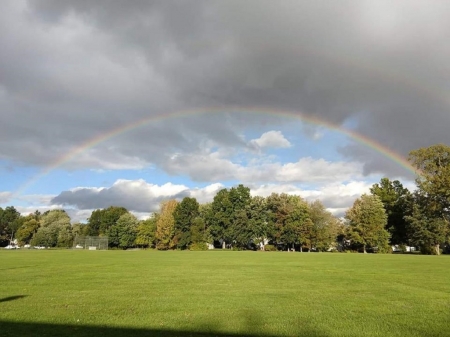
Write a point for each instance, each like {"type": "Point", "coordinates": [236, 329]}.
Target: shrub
{"type": "Point", "coordinates": [270, 248]}
{"type": "Point", "coordinates": [198, 246]}
{"type": "Point", "coordinates": [402, 248]}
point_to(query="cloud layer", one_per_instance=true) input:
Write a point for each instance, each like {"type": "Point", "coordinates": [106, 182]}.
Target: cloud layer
{"type": "Point", "coordinates": [73, 70]}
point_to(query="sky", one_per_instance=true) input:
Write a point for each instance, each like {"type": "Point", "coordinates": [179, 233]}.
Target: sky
{"type": "Point", "coordinates": [130, 103]}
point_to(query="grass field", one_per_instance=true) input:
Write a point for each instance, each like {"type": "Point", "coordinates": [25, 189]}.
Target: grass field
{"type": "Point", "coordinates": [222, 293]}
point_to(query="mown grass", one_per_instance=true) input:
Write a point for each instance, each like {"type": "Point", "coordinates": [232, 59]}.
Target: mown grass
{"type": "Point", "coordinates": [124, 293]}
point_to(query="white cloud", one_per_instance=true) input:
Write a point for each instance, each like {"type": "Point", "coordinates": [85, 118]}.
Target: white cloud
{"type": "Point", "coordinates": [273, 139]}
{"type": "Point", "coordinates": [212, 167]}
{"type": "Point", "coordinates": [4, 197]}
{"type": "Point", "coordinates": [336, 197]}
{"type": "Point", "coordinates": [143, 198]}
{"type": "Point", "coordinates": [135, 195]}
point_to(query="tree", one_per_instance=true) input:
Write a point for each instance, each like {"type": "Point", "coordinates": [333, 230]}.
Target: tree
{"type": "Point", "coordinates": [287, 219]}
{"type": "Point", "coordinates": [298, 226]}
{"type": "Point", "coordinates": [433, 164]}
{"type": "Point", "coordinates": [146, 232]}
{"type": "Point", "coordinates": [8, 224]}
{"type": "Point", "coordinates": [165, 225]}
{"type": "Point", "coordinates": [79, 229]}
{"type": "Point", "coordinates": [426, 230]}
{"type": "Point", "coordinates": [27, 230]}
{"type": "Point", "coordinates": [55, 230]}
{"type": "Point", "coordinates": [325, 226]}
{"type": "Point", "coordinates": [431, 215]}
{"type": "Point", "coordinates": [126, 229]}
{"type": "Point", "coordinates": [240, 233]}
{"type": "Point", "coordinates": [367, 220]}
{"type": "Point", "coordinates": [102, 219]}
{"type": "Point", "coordinates": [220, 217]}
{"type": "Point", "coordinates": [396, 200]}
{"type": "Point", "coordinates": [184, 215]}
{"type": "Point", "coordinates": [258, 222]}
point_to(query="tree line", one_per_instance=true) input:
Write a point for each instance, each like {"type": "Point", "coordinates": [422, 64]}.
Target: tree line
{"type": "Point", "coordinates": [389, 215]}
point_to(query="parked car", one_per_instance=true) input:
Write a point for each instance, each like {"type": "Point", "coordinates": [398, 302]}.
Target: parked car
{"type": "Point", "coordinates": [12, 247]}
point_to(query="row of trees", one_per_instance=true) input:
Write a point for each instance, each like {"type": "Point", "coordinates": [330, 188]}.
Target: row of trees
{"type": "Point", "coordinates": [234, 219]}
{"type": "Point", "coordinates": [389, 215]}
{"type": "Point", "coordinates": [420, 218]}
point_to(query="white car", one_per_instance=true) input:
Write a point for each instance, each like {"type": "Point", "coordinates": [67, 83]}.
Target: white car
{"type": "Point", "coordinates": [39, 247]}
{"type": "Point", "coordinates": [12, 247]}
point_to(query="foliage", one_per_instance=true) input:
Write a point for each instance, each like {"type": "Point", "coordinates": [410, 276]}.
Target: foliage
{"type": "Point", "coordinates": [146, 232]}
{"type": "Point", "coordinates": [165, 224]}
{"type": "Point", "coordinates": [325, 227]}
{"type": "Point", "coordinates": [396, 200]}
{"type": "Point", "coordinates": [270, 248]}
{"type": "Point", "coordinates": [184, 215]}
{"type": "Point", "coordinates": [55, 230]}
{"type": "Point", "coordinates": [8, 224]}
{"type": "Point", "coordinates": [367, 220]}
{"type": "Point", "coordinates": [220, 217]}
{"type": "Point", "coordinates": [198, 246]}
{"type": "Point", "coordinates": [429, 223]}
{"type": "Point", "coordinates": [288, 219]}
{"type": "Point", "coordinates": [426, 230]}
{"type": "Point", "coordinates": [198, 231]}
{"type": "Point", "coordinates": [101, 220]}
{"type": "Point", "coordinates": [26, 231]}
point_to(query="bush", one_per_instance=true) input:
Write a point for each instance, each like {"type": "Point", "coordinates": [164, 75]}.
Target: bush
{"type": "Point", "coordinates": [198, 246]}
{"type": "Point", "coordinates": [402, 249]}
{"type": "Point", "coordinates": [270, 248]}
{"type": "Point", "coordinates": [429, 250]}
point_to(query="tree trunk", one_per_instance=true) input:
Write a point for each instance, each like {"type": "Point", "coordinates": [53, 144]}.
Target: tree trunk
{"type": "Point", "coordinates": [365, 252]}
{"type": "Point", "coordinates": [437, 249]}
{"type": "Point", "coordinates": [301, 249]}
{"type": "Point", "coordinates": [223, 244]}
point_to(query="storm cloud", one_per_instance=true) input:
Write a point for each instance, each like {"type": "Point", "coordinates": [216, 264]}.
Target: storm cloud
{"type": "Point", "coordinates": [73, 70]}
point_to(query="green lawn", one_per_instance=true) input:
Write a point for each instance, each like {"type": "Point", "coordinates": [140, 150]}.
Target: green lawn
{"type": "Point", "coordinates": [151, 293]}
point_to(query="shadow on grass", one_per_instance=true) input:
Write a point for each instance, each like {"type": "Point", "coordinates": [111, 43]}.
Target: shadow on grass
{"type": "Point", "coordinates": [12, 298]}
{"type": "Point", "coordinates": [10, 329]}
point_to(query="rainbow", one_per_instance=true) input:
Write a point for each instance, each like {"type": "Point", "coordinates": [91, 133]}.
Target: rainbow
{"type": "Point", "coordinates": [90, 143]}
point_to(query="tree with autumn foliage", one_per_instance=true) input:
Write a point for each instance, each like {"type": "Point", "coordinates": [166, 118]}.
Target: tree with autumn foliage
{"type": "Point", "coordinates": [165, 225]}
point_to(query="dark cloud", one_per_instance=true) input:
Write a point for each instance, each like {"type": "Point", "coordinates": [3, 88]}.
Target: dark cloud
{"type": "Point", "coordinates": [72, 70]}
{"type": "Point", "coordinates": [137, 195]}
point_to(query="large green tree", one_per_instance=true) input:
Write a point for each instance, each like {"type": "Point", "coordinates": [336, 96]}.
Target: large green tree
{"type": "Point", "coordinates": [146, 232]}
{"type": "Point", "coordinates": [26, 231]}
{"type": "Point", "coordinates": [102, 219]}
{"type": "Point", "coordinates": [184, 215]}
{"type": "Point", "coordinates": [288, 219]}
{"type": "Point", "coordinates": [425, 229]}
{"type": "Point", "coordinates": [123, 233]}
{"type": "Point", "coordinates": [397, 203]}
{"type": "Point", "coordinates": [55, 230]}
{"type": "Point", "coordinates": [258, 221]}
{"type": "Point", "coordinates": [325, 227]}
{"type": "Point", "coordinates": [220, 217]}
{"type": "Point", "coordinates": [429, 223]}
{"type": "Point", "coordinates": [8, 224]}
{"type": "Point", "coordinates": [433, 165]}
{"type": "Point", "coordinates": [367, 221]}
